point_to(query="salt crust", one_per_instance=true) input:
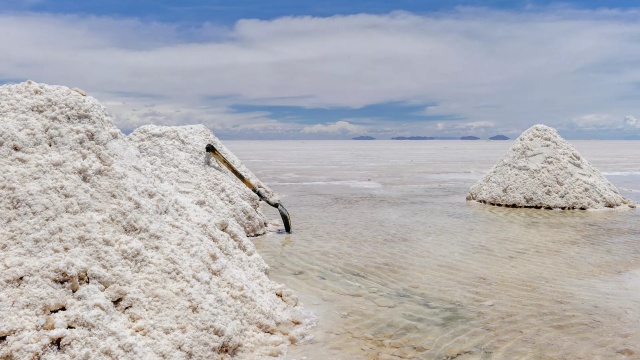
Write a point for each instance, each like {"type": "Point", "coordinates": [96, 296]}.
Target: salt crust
{"type": "Point", "coordinates": [542, 170]}
{"type": "Point", "coordinates": [116, 248]}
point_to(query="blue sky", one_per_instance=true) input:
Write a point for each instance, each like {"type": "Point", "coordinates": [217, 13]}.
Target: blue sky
{"type": "Point", "coordinates": [228, 12]}
{"type": "Point", "coordinates": [338, 69]}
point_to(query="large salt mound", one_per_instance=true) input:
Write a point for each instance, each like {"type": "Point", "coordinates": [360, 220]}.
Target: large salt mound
{"type": "Point", "coordinates": [102, 259]}
{"type": "Point", "coordinates": [177, 155]}
{"type": "Point", "coordinates": [542, 170]}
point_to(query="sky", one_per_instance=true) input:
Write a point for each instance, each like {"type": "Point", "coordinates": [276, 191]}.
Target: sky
{"type": "Point", "coordinates": [288, 69]}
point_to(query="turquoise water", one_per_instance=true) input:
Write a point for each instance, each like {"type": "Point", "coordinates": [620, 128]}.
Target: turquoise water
{"type": "Point", "coordinates": [396, 264]}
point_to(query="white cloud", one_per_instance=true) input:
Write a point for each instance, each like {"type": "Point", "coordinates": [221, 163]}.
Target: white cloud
{"type": "Point", "coordinates": [339, 127]}
{"type": "Point", "coordinates": [595, 121]}
{"type": "Point", "coordinates": [605, 121]}
{"type": "Point", "coordinates": [516, 69]}
{"type": "Point", "coordinates": [466, 126]}
{"type": "Point", "coordinates": [631, 122]}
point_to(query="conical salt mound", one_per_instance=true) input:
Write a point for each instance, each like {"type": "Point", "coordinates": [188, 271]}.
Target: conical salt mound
{"type": "Point", "coordinates": [102, 257]}
{"type": "Point", "coordinates": [542, 170]}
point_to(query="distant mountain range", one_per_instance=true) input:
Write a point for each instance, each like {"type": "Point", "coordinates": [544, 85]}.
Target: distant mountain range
{"type": "Point", "coordinates": [499, 137]}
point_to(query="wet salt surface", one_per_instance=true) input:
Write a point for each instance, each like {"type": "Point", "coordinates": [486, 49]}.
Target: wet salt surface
{"type": "Point", "coordinates": [407, 268]}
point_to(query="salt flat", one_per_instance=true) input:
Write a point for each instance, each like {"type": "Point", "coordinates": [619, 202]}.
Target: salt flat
{"type": "Point", "coordinates": [394, 261]}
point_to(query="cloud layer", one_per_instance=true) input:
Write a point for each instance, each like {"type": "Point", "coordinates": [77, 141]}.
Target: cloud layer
{"type": "Point", "coordinates": [338, 127]}
{"type": "Point", "coordinates": [494, 72]}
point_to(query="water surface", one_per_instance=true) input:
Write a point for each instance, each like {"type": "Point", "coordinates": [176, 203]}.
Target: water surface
{"type": "Point", "coordinates": [396, 264]}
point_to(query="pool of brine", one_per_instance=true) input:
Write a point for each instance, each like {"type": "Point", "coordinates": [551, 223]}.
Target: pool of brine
{"type": "Point", "coordinates": [396, 264]}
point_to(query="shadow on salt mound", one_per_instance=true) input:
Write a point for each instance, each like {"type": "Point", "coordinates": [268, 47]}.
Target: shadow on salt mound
{"type": "Point", "coordinates": [542, 170]}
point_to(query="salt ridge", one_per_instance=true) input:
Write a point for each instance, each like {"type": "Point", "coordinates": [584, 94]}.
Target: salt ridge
{"type": "Point", "coordinates": [542, 170]}
{"type": "Point", "coordinates": [101, 257]}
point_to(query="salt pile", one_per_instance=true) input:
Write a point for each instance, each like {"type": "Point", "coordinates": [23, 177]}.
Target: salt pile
{"type": "Point", "coordinates": [542, 170]}
{"type": "Point", "coordinates": [177, 156]}
{"type": "Point", "coordinates": [103, 257]}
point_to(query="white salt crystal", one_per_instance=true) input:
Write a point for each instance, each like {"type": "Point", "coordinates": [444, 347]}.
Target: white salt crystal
{"type": "Point", "coordinates": [178, 157]}
{"type": "Point", "coordinates": [543, 170]}
{"type": "Point", "coordinates": [117, 261]}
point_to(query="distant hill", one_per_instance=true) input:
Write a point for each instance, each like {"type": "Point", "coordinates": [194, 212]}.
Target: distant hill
{"type": "Point", "coordinates": [469, 138]}
{"type": "Point", "coordinates": [412, 138]}
{"type": "Point", "coordinates": [363, 138]}
{"type": "Point", "coordinates": [499, 137]}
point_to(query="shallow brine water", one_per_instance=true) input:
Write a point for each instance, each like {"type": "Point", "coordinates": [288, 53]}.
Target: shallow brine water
{"type": "Point", "coordinates": [396, 264]}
